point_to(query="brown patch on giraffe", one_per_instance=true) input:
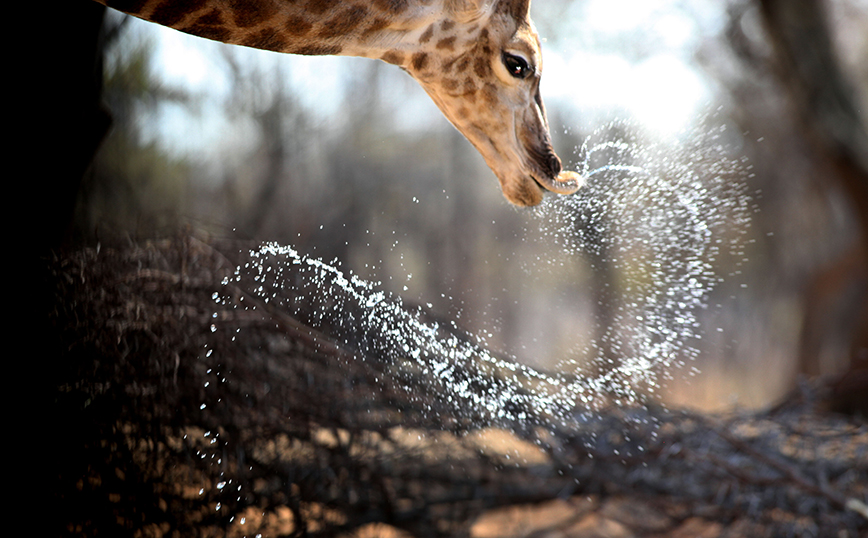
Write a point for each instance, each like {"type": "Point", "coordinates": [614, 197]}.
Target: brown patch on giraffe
{"type": "Point", "coordinates": [377, 25]}
{"type": "Point", "coordinates": [247, 13]}
{"type": "Point", "coordinates": [489, 93]}
{"type": "Point", "coordinates": [394, 58]}
{"type": "Point", "coordinates": [321, 49]}
{"type": "Point", "coordinates": [483, 127]}
{"type": "Point", "coordinates": [470, 88]}
{"type": "Point", "coordinates": [426, 35]}
{"type": "Point", "coordinates": [447, 25]}
{"type": "Point", "coordinates": [297, 26]}
{"type": "Point", "coordinates": [211, 18]}
{"type": "Point", "coordinates": [481, 67]}
{"type": "Point", "coordinates": [450, 85]}
{"type": "Point", "coordinates": [318, 7]}
{"type": "Point", "coordinates": [447, 43]}
{"type": "Point", "coordinates": [344, 22]}
{"type": "Point", "coordinates": [393, 7]}
{"type": "Point", "coordinates": [419, 61]}
{"type": "Point", "coordinates": [460, 64]}
{"type": "Point", "coordinates": [266, 39]}
{"type": "Point", "coordinates": [170, 12]}
{"type": "Point", "coordinates": [210, 26]}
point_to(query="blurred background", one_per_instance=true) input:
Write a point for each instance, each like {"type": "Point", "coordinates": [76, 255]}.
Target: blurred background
{"type": "Point", "coordinates": [349, 161]}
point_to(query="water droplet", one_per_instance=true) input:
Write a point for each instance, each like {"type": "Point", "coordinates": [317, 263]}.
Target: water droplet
{"type": "Point", "coordinates": [648, 211]}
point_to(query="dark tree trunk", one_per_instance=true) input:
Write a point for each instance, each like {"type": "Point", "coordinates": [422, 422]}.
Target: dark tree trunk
{"type": "Point", "coordinates": [825, 104]}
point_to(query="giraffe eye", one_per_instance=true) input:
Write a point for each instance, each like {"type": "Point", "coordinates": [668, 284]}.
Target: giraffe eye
{"type": "Point", "coordinates": [517, 66]}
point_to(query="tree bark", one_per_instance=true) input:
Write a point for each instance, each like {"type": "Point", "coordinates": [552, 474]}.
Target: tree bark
{"type": "Point", "coordinates": [824, 102]}
{"type": "Point", "coordinates": [826, 106]}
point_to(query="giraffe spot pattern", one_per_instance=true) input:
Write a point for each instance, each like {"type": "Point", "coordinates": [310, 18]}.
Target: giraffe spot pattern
{"type": "Point", "coordinates": [489, 94]}
{"type": "Point", "coordinates": [426, 35]}
{"type": "Point", "coordinates": [394, 58]}
{"type": "Point", "coordinates": [376, 25]}
{"type": "Point", "coordinates": [321, 49]}
{"type": "Point", "coordinates": [211, 25]}
{"type": "Point", "coordinates": [450, 85]}
{"type": "Point", "coordinates": [171, 13]}
{"type": "Point", "coordinates": [447, 43]}
{"type": "Point", "coordinates": [247, 13]}
{"type": "Point", "coordinates": [344, 22]}
{"type": "Point", "coordinates": [419, 61]}
{"type": "Point", "coordinates": [481, 67]}
{"type": "Point", "coordinates": [266, 39]}
{"type": "Point", "coordinates": [318, 7]}
{"type": "Point", "coordinates": [393, 7]}
{"type": "Point", "coordinates": [297, 26]}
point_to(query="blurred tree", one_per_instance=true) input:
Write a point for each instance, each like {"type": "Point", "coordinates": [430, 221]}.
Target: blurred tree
{"type": "Point", "coordinates": [822, 98]}
{"type": "Point", "coordinates": [810, 71]}
{"type": "Point", "coordinates": [260, 93]}
{"type": "Point", "coordinates": [133, 185]}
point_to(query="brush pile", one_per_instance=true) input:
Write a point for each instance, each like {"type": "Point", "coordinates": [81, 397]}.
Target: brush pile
{"type": "Point", "coordinates": [188, 407]}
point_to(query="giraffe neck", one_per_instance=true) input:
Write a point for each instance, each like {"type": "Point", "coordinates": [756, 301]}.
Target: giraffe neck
{"type": "Point", "coordinates": [479, 60]}
{"type": "Point", "coordinates": [392, 30]}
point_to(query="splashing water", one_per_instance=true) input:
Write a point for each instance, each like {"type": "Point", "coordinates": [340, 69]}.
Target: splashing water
{"type": "Point", "coordinates": [660, 217]}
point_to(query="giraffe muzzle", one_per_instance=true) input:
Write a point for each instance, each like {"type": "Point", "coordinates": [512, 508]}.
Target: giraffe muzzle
{"type": "Point", "coordinates": [565, 182]}
{"type": "Point", "coordinates": [545, 166]}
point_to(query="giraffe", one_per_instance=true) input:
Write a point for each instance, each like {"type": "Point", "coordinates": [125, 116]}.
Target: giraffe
{"type": "Point", "coordinates": [478, 60]}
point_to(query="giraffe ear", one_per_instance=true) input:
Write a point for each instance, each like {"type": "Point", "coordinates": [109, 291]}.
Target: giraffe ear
{"type": "Point", "coordinates": [467, 11]}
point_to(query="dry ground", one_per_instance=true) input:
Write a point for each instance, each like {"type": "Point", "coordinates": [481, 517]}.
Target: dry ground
{"type": "Point", "coordinates": [183, 415]}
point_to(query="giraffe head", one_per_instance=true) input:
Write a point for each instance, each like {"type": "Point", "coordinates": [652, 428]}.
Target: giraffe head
{"type": "Point", "coordinates": [481, 64]}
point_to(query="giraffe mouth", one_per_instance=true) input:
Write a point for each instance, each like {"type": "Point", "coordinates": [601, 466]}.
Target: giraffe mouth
{"type": "Point", "coordinates": [544, 166]}
{"type": "Point", "coordinates": [530, 136]}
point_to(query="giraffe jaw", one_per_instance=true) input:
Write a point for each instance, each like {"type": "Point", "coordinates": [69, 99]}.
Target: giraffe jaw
{"type": "Point", "coordinates": [563, 182]}
{"type": "Point", "coordinates": [523, 160]}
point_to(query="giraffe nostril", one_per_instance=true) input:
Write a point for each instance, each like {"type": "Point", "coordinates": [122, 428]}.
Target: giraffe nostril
{"type": "Point", "coordinates": [554, 165]}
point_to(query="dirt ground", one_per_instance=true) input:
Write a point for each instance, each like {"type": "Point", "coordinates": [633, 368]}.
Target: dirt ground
{"type": "Point", "coordinates": [190, 408]}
